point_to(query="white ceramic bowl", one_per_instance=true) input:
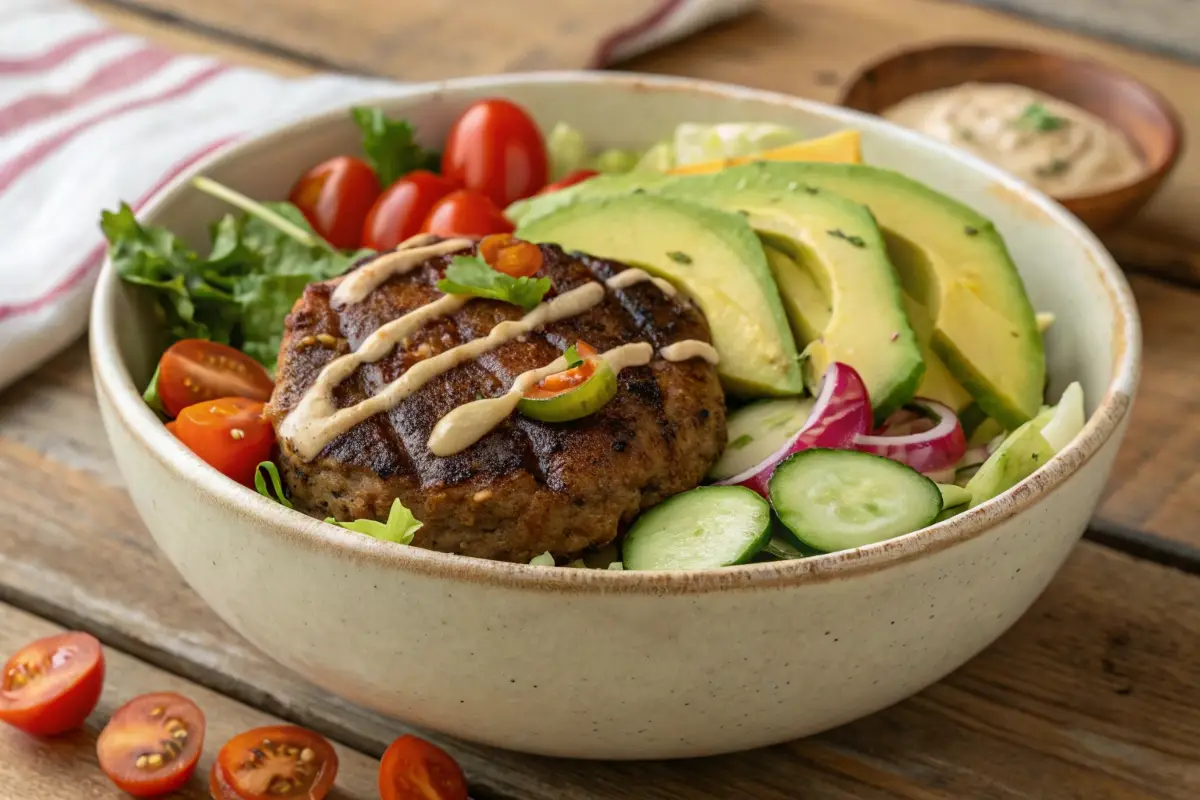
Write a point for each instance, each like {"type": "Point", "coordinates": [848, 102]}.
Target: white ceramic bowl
{"type": "Point", "coordinates": [628, 665]}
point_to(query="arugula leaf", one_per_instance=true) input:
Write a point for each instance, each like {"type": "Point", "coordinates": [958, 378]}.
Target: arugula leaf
{"type": "Point", "coordinates": [390, 146]}
{"type": "Point", "coordinates": [471, 275]}
{"type": "Point", "coordinates": [571, 354]}
{"type": "Point", "coordinates": [399, 528]}
{"type": "Point", "coordinates": [275, 492]}
{"type": "Point", "coordinates": [258, 264]}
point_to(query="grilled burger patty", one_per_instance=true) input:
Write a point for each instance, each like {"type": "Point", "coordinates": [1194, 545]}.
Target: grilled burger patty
{"type": "Point", "coordinates": [527, 487]}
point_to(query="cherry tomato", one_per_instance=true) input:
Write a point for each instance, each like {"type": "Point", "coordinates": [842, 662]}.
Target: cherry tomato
{"type": "Point", "coordinates": [400, 210]}
{"type": "Point", "coordinates": [230, 434]}
{"type": "Point", "coordinates": [466, 213]}
{"type": "Point", "coordinates": [414, 769]}
{"type": "Point", "coordinates": [51, 685]}
{"type": "Point", "coordinates": [151, 744]}
{"type": "Point", "coordinates": [273, 762]}
{"type": "Point", "coordinates": [497, 149]}
{"type": "Point", "coordinates": [570, 179]}
{"type": "Point", "coordinates": [193, 370]}
{"type": "Point", "coordinates": [505, 253]}
{"type": "Point", "coordinates": [567, 380]}
{"type": "Point", "coordinates": [335, 197]}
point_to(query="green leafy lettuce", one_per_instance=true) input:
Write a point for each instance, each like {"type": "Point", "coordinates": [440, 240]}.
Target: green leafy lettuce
{"type": "Point", "coordinates": [274, 491]}
{"type": "Point", "coordinates": [258, 264]}
{"type": "Point", "coordinates": [399, 528]}
{"type": "Point", "coordinates": [471, 275]}
{"type": "Point", "coordinates": [390, 146]}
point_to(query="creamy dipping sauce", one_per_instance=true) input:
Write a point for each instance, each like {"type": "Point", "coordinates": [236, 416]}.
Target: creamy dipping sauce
{"type": "Point", "coordinates": [1051, 144]}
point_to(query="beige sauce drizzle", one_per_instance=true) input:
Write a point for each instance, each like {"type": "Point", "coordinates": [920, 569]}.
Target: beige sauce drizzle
{"type": "Point", "coordinates": [467, 424]}
{"type": "Point", "coordinates": [316, 421]}
{"type": "Point", "coordinates": [1058, 147]}
{"type": "Point", "coordinates": [690, 348]}
{"type": "Point", "coordinates": [411, 254]}
{"type": "Point", "coordinates": [633, 275]}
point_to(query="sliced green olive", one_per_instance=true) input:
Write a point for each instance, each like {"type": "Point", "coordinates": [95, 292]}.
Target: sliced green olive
{"type": "Point", "coordinates": [574, 403]}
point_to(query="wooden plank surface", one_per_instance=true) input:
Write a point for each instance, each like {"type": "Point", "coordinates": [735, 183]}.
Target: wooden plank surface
{"type": "Point", "coordinates": [805, 47]}
{"type": "Point", "coordinates": [65, 768]}
{"type": "Point", "coordinates": [1097, 689]}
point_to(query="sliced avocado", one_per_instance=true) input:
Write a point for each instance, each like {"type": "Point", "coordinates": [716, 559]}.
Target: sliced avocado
{"type": "Point", "coordinates": [838, 287]}
{"type": "Point", "coordinates": [937, 384]}
{"type": "Point", "coordinates": [713, 256]}
{"type": "Point", "coordinates": [1018, 457]}
{"type": "Point", "coordinates": [954, 263]}
{"type": "Point", "coordinates": [529, 209]}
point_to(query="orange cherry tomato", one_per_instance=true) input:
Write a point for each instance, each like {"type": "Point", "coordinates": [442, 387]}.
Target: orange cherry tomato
{"type": "Point", "coordinates": [570, 179]}
{"type": "Point", "coordinates": [414, 769]}
{"type": "Point", "coordinates": [51, 685]}
{"type": "Point", "coordinates": [560, 382]}
{"type": "Point", "coordinates": [497, 149]}
{"type": "Point", "coordinates": [230, 434]}
{"type": "Point", "coordinates": [402, 208]}
{"type": "Point", "coordinates": [273, 762]}
{"type": "Point", "coordinates": [151, 744]}
{"type": "Point", "coordinates": [193, 370]}
{"type": "Point", "coordinates": [335, 197]}
{"type": "Point", "coordinates": [505, 253]}
{"type": "Point", "coordinates": [466, 213]}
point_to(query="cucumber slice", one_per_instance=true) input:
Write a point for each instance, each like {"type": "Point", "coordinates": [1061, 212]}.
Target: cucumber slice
{"type": "Point", "coordinates": [782, 545]}
{"type": "Point", "coordinates": [586, 398]}
{"type": "Point", "coordinates": [757, 430]}
{"type": "Point", "coordinates": [712, 526]}
{"type": "Point", "coordinates": [840, 499]}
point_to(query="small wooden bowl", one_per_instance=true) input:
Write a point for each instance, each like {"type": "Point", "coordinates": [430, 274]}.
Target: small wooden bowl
{"type": "Point", "coordinates": [1142, 113]}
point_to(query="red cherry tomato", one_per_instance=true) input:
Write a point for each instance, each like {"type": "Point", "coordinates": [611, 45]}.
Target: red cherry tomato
{"type": "Point", "coordinates": [272, 762]}
{"type": "Point", "coordinates": [230, 434]}
{"type": "Point", "coordinates": [193, 370]}
{"type": "Point", "coordinates": [335, 197]}
{"type": "Point", "coordinates": [497, 149]}
{"type": "Point", "coordinates": [402, 208]}
{"type": "Point", "coordinates": [151, 744]}
{"type": "Point", "coordinates": [51, 685]}
{"type": "Point", "coordinates": [414, 769]}
{"type": "Point", "coordinates": [570, 179]}
{"type": "Point", "coordinates": [466, 213]}
{"type": "Point", "coordinates": [505, 253]}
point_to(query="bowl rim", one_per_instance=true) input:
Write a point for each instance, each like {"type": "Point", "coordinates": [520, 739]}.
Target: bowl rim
{"type": "Point", "coordinates": [115, 386]}
{"type": "Point", "coordinates": [1155, 171]}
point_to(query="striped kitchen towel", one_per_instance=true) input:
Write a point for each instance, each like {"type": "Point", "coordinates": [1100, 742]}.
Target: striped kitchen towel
{"type": "Point", "coordinates": [90, 115]}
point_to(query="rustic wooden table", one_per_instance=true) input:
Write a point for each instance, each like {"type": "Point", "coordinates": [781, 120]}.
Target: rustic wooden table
{"type": "Point", "coordinates": [1095, 693]}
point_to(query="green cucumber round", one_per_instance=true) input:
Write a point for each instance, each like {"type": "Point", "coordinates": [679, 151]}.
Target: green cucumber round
{"type": "Point", "coordinates": [586, 398]}
{"type": "Point", "coordinates": [708, 527]}
{"type": "Point", "coordinates": [841, 499]}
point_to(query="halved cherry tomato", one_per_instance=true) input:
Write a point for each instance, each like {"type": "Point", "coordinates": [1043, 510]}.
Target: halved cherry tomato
{"type": "Point", "coordinates": [402, 208]}
{"type": "Point", "coordinates": [466, 213]}
{"type": "Point", "coordinates": [335, 197]}
{"type": "Point", "coordinates": [414, 769]}
{"type": "Point", "coordinates": [51, 685]}
{"type": "Point", "coordinates": [273, 762]}
{"type": "Point", "coordinates": [497, 149]}
{"type": "Point", "coordinates": [564, 381]}
{"type": "Point", "coordinates": [570, 179]}
{"type": "Point", "coordinates": [229, 434]}
{"type": "Point", "coordinates": [151, 744]}
{"type": "Point", "coordinates": [193, 370]}
{"type": "Point", "coordinates": [506, 253]}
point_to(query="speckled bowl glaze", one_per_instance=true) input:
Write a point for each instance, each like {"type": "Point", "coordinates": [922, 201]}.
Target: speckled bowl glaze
{"type": "Point", "coordinates": [628, 665]}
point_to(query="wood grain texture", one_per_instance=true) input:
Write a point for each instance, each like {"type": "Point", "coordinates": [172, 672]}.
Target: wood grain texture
{"type": "Point", "coordinates": [65, 768]}
{"type": "Point", "coordinates": [804, 47]}
{"type": "Point", "coordinates": [1095, 693]}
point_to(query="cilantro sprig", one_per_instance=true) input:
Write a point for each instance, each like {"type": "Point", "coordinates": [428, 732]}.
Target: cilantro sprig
{"type": "Point", "coordinates": [390, 145]}
{"type": "Point", "coordinates": [472, 276]}
{"type": "Point", "coordinates": [571, 354]}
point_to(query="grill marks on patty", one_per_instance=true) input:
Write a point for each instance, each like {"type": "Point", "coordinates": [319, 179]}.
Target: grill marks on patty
{"type": "Point", "coordinates": [527, 486]}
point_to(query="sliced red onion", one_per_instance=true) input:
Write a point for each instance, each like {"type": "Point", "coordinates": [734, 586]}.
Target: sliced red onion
{"type": "Point", "coordinates": [841, 413]}
{"type": "Point", "coordinates": [933, 451]}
